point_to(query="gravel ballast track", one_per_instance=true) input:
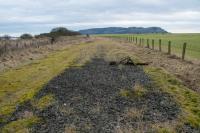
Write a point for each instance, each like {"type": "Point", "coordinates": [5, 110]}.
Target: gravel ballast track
{"type": "Point", "coordinates": [89, 100]}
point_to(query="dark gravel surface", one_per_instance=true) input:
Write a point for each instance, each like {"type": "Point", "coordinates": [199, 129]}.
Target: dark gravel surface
{"type": "Point", "coordinates": [88, 99]}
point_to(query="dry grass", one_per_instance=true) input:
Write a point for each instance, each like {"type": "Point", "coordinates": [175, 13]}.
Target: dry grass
{"type": "Point", "coordinates": [124, 130]}
{"type": "Point", "coordinates": [124, 93]}
{"type": "Point", "coordinates": [137, 92]}
{"type": "Point", "coordinates": [27, 114]}
{"type": "Point", "coordinates": [70, 129]}
{"type": "Point", "coordinates": [165, 127]}
{"type": "Point", "coordinates": [66, 110]}
{"type": "Point", "coordinates": [17, 58]}
{"type": "Point", "coordinates": [97, 108]}
{"type": "Point", "coordinates": [141, 128]}
{"type": "Point", "coordinates": [134, 113]}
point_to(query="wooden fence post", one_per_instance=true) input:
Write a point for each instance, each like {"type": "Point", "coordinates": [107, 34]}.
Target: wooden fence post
{"type": "Point", "coordinates": [147, 43]}
{"type": "Point", "coordinates": [1, 52]}
{"type": "Point", "coordinates": [153, 44]}
{"type": "Point", "coordinates": [17, 45]}
{"type": "Point", "coordinates": [1, 48]}
{"type": "Point", "coordinates": [140, 42]}
{"type": "Point", "coordinates": [169, 47]}
{"type": "Point", "coordinates": [184, 50]}
{"type": "Point", "coordinates": [5, 47]}
{"type": "Point", "coordinates": [143, 42]}
{"type": "Point", "coordinates": [136, 40]}
{"type": "Point", "coordinates": [133, 39]}
{"type": "Point", "coordinates": [160, 43]}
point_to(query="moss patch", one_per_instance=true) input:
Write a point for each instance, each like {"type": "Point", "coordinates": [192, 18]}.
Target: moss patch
{"type": "Point", "coordinates": [20, 126]}
{"type": "Point", "coordinates": [44, 102]}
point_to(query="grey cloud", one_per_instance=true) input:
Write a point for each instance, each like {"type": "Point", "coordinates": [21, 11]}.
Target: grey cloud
{"type": "Point", "coordinates": [41, 15]}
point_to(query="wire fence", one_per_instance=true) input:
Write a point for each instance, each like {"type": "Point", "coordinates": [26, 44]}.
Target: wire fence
{"type": "Point", "coordinates": [181, 49]}
{"type": "Point", "coordinates": [13, 45]}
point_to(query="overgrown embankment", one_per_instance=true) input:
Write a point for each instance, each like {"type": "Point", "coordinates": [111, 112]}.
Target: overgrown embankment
{"type": "Point", "coordinates": [20, 52]}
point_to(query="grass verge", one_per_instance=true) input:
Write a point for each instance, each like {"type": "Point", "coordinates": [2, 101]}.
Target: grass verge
{"type": "Point", "coordinates": [187, 99]}
{"type": "Point", "coordinates": [21, 84]}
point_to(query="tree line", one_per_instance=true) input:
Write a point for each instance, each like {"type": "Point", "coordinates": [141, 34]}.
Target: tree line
{"type": "Point", "coordinates": [54, 33]}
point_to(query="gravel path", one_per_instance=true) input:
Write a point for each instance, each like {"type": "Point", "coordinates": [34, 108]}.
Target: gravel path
{"type": "Point", "coordinates": [89, 100]}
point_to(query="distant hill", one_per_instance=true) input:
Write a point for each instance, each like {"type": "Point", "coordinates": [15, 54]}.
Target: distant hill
{"type": "Point", "coordinates": [121, 30]}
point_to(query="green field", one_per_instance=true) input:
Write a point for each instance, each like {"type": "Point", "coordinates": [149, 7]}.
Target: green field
{"type": "Point", "coordinates": [177, 40]}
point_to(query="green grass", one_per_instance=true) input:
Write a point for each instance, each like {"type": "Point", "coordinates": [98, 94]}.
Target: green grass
{"type": "Point", "coordinates": [192, 40]}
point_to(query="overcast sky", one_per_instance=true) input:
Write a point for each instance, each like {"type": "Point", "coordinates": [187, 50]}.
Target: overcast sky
{"type": "Point", "coordinates": [36, 16]}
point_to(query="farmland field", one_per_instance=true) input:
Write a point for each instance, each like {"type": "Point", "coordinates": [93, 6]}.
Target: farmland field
{"type": "Point", "coordinates": [177, 40]}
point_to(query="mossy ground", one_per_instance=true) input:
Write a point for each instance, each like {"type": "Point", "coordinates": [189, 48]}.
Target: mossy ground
{"type": "Point", "coordinates": [20, 126]}
{"type": "Point", "coordinates": [44, 102]}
